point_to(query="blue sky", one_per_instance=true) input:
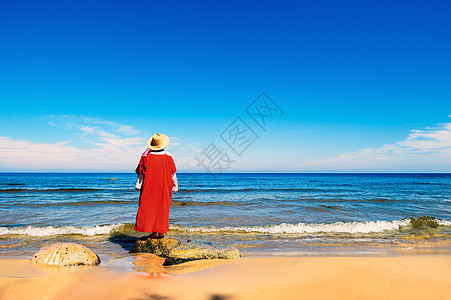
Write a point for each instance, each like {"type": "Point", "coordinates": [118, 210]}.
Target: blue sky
{"type": "Point", "coordinates": [365, 86]}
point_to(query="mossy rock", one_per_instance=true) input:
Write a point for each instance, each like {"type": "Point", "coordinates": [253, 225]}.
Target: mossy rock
{"type": "Point", "coordinates": [65, 254]}
{"type": "Point", "coordinates": [159, 247]}
{"type": "Point", "coordinates": [200, 250]}
{"type": "Point", "coordinates": [424, 222]}
{"type": "Point", "coordinates": [176, 253]}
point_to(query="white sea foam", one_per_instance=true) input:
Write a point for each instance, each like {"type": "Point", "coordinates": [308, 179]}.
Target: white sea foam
{"type": "Point", "coordinates": [444, 222]}
{"type": "Point", "coordinates": [338, 227]}
{"type": "Point", "coordinates": [50, 230]}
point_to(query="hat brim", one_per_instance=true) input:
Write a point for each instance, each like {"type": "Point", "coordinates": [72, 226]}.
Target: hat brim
{"type": "Point", "coordinates": [164, 142]}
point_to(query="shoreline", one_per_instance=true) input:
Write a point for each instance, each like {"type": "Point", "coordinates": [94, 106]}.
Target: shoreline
{"type": "Point", "coordinates": [253, 277]}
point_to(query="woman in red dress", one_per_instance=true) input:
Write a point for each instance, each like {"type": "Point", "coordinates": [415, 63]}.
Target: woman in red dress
{"type": "Point", "coordinates": [156, 180]}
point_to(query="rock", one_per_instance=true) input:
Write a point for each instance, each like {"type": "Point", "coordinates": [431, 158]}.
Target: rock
{"type": "Point", "coordinates": [176, 253]}
{"type": "Point", "coordinates": [424, 222]}
{"type": "Point", "coordinates": [159, 247]}
{"type": "Point", "coordinates": [66, 254]}
{"type": "Point", "coordinates": [200, 250]}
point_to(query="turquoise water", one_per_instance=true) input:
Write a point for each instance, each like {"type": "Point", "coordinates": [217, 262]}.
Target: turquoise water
{"type": "Point", "coordinates": [280, 214]}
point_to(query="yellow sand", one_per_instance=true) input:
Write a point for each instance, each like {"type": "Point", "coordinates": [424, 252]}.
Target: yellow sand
{"type": "Point", "coordinates": [401, 277]}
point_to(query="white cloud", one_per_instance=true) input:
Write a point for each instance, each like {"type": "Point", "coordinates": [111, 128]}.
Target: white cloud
{"type": "Point", "coordinates": [117, 147]}
{"type": "Point", "coordinates": [427, 150]}
{"type": "Point", "coordinates": [78, 122]}
{"type": "Point", "coordinates": [114, 147]}
{"type": "Point", "coordinates": [25, 155]}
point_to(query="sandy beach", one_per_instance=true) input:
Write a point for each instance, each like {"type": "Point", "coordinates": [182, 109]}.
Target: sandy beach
{"type": "Point", "coordinates": [396, 277]}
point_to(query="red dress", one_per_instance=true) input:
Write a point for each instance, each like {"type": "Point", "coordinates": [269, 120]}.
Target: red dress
{"type": "Point", "coordinates": [156, 192]}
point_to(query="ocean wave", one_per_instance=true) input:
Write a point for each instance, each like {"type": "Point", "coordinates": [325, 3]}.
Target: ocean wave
{"type": "Point", "coordinates": [299, 228]}
{"type": "Point", "coordinates": [197, 203]}
{"type": "Point", "coordinates": [61, 190]}
{"type": "Point", "coordinates": [133, 201]}
{"type": "Point", "coordinates": [181, 191]}
{"type": "Point", "coordinates": [381, 200]}
{"type": "Point", "coordinates": [284, 228]}
{"type": "Point", "coordinates": [338, 227]}
{"type": "Point", "coordinates": [78, 203]}
{"type": "Point", "coordinates": [444, 222]}
{"type": "Point", "coordinates": [226, 190]}
{"type": "Point", "coordinates": [39, 231]}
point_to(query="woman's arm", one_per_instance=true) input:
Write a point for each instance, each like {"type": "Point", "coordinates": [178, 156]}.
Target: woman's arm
{"type": "Point", "coordinates": [139, 182]}
{"type": "Point", "coordinates": [175, 185]}
{"type": "Point", "coordinates": [140, 170]}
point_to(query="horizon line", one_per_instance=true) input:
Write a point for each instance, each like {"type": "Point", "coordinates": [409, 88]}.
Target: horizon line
{"type": "Point", "coordinates": [226, 173]}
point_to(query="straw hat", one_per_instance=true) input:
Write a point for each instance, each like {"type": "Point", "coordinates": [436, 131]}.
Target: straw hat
{"type": "Point", "coordinates": [158, 141]}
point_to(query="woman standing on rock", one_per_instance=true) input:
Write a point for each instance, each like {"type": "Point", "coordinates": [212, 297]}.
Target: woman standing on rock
{"type": "Point", "coordinates": [156, 179]}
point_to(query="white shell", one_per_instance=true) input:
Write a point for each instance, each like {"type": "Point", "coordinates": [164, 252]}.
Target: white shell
{"type": "Point", "coordinates": [66, 254]}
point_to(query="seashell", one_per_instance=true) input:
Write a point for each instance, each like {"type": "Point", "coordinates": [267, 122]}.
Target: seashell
{"type": "Point", "coordinates": [66, 254]}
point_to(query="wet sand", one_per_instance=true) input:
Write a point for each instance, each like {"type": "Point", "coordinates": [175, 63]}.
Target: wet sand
{"type": "Point", "coordinates": [143, 277]}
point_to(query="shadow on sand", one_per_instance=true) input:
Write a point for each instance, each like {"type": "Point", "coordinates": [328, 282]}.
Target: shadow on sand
{"type": "Point", "coordinates": [124, 240]}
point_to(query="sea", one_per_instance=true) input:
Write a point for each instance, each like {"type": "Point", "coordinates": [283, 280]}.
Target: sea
{"type": "Point", "coordinates": [281, 214]}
